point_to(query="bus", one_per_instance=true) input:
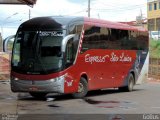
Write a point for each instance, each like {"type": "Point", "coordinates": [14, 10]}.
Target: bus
{"type": "Point", "coordinates": [74, 55]}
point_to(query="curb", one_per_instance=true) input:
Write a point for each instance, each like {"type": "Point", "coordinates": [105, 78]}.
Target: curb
{"type": "Point", "coordinates": [4, 81]}
{"type": "Point", "coordinates": [152, 80]}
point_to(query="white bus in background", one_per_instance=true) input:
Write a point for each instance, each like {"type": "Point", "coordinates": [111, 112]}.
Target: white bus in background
{"type": "Point", "coordinates": [8, 43]}
{"type": "Point", "coordinates": [154, 35]}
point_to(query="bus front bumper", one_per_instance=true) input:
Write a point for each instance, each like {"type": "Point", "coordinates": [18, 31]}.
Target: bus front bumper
{"type": "Point", "coordinates": [48, 86]}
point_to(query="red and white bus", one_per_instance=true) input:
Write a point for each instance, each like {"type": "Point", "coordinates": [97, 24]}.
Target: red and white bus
{"type": "Point", "coordinates": [74, 55]}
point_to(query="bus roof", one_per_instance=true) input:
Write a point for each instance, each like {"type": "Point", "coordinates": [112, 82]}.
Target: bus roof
{"type": "Point", "coordinates": [48, 22]}
{"type": "Point", "coordinates": [65, 20]}
{"type": "Point", "coordinates": [110, 24]}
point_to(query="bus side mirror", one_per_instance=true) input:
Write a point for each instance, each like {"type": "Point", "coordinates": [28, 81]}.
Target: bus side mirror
{"type": "Point", "coordinates": [65, 41]}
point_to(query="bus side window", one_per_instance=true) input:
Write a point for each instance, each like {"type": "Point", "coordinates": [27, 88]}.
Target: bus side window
{"type": "Point", "coordinates": [95, 37]}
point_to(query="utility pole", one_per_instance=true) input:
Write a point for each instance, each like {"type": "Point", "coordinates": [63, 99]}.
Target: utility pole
{"type": "Point", "coordinates": [89, 8]}
{"type": "Point", "coordinates": [29, 14]}
{"type": "Point", "coordinates": [141, 22]}
{"type": "Point", "coordinates": [98, 16]}
{"type": "Point", "coordinates": [139, 19]}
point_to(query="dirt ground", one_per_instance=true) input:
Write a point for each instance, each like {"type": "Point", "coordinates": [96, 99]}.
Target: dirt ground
{"type": "Point", "coordinates": [153, 80]}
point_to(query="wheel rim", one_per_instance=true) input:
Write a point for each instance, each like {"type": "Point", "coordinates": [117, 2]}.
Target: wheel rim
{"type": "Point", "coordinates": [80, 87]}
{"type": "Point", "coordinates": [130, 84]}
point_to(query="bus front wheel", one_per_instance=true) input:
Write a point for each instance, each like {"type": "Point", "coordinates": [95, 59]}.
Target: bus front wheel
{"type": "Point", "coordinates": [82, 89]}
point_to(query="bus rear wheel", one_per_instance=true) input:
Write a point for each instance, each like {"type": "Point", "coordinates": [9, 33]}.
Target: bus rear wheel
{"type": "Point", "coordinates": [130, 84]}
{"type": "Point", "coordinates": [82, 89]}
{"type": "Point", "coordinates": [38, 95]}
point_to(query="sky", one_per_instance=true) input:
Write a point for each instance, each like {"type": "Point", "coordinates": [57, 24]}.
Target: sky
{"type": "Point", "coordinates": [11, 16]}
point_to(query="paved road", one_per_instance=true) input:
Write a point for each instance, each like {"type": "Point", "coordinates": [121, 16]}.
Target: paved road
{"type": "Point", "coordinates": [144, 99]}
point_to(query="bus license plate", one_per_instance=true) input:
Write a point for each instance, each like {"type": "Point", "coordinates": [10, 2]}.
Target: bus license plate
{"type": "Point", "coordinates": [33, 88]}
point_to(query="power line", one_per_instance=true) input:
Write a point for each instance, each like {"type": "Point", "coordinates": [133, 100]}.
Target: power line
{"type": "Point", "coordinates": [126, 6]}
{"type": "Point", "coordinates": [84, 10]}
{"type": "Point", "coordinates": [117, 10]}
{"type": "Point", "coordinates": [113, 7]}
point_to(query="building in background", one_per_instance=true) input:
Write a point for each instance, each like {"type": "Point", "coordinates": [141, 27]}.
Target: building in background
{"type": "Point", "coordinates": [137, 23]}
{"type": "Point", "coordinates": [153, 15]}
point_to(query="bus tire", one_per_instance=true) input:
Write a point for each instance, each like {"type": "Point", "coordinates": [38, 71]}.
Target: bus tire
{"type": "Point", "coordinates": [130, 84]}
{"type": "Point", "coordinates": [82, 89]}
{"type": "Point", "coordinates": [38, 95]}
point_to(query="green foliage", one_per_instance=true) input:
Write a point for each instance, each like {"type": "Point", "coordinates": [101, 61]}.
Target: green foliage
{"type": "Point", "coordinates": [154, 47]}
{"type": "Point", "coordinates": [10, 45]}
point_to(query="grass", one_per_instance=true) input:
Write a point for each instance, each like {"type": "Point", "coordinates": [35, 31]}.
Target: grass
{"type": "Point", "coordinates": [154, 47]}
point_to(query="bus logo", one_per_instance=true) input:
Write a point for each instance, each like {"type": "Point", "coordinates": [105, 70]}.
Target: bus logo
{"type": "Point", "coordinates": [112, 58]}
{"type": "Point", "coordinates": [97, 59]}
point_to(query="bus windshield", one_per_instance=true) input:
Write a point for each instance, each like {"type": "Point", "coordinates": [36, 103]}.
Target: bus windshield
{"type": "Point", "coordinates": [37, 52]}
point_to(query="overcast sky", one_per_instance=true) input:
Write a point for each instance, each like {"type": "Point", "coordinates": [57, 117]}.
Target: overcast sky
{"type": "Point", "coordinates": [11, 16]}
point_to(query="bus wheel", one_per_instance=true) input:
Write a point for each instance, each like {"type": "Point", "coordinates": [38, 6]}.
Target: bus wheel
{"type": "Point", "coordinates": [130, 84]}
{"type": "Point", "coordinates": [82, 89]}
{"type": "Point", "coordinates": [38, 95]}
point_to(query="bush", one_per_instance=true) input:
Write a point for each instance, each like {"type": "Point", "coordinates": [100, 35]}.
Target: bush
{"type": "Point", "coordinates": [154, 48]}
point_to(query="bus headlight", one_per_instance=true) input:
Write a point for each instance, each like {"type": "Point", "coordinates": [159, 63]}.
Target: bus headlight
{"type": "Point", "coordinates": [59, 79]}
{"type": "Point", "coordinates": [14, 78]}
